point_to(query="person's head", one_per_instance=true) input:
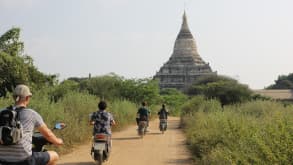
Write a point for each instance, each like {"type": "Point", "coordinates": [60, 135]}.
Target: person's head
{"type": "Point", "coordinates": [102, 105]}
{"type": "Point", "coordinates": [144, 103]}
{"type": "Point", "coordinates": [163, 106]}
{"type": "Point", "coordinates": [22, 94]}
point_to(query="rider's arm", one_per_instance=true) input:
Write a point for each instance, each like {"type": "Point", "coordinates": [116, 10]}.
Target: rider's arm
{"type": "Point", "coordinates": [49, 135]}
{"type": "Point", "coordinates": [91, 119]}
{"type": "Point", "coordinates": [113, 122]}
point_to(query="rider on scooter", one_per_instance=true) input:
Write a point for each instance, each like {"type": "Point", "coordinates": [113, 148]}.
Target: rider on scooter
{"type": "Point", "coordinates": [143, 114]}
{"type": "Point", "coordinates": [21, 153]}
{"type": "Point", "coordinates": [102, 121]}
{"type": "Point", "coordinates": [163, 113]}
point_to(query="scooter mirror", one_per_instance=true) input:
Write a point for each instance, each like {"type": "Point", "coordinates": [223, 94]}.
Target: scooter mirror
{"type": "Point", "coordinates": [59, 126]}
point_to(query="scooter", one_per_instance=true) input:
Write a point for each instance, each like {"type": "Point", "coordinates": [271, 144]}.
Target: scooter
{"type": "Point", "coordinates": [38, 144]}
{"type": "Point", "coordinates": [142, 128]}
{"type": "Point", "coordinates": [163, 125]}
{"type": "Point", "coordinates": [39, 141]}
{"type": "Point", "coordinates": [101, 148]}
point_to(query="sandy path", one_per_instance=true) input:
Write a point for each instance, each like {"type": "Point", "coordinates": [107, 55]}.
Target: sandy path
{"type": "Point", "coordinates": [128, 149]}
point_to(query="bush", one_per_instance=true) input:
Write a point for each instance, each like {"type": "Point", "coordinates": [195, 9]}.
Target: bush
{"type": "Point", "coordinates": [74, 109]}
{"type": "Point", "coordinates": [253, 133]}
{"type": "Point", "coordinates": [228, 91]}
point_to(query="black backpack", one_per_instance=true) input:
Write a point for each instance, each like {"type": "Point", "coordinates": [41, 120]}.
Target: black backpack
{"type": "Point", "coordinates": [10, 126]}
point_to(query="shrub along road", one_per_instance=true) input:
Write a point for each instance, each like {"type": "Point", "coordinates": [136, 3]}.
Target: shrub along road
{"type": "Point", "coordinates": [128, 149]}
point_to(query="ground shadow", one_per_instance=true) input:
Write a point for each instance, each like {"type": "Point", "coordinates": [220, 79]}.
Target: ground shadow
{"type": "Point", "coordinates": [180, 161]}
{"type": "Point", "coordinates": [76, 163]}
{"type": "Point", "coordinates": [173, 124]}
{"type": "Point", "coordinates": [127, 138]}
{"type": "Point", "coordinates": [154, 133]}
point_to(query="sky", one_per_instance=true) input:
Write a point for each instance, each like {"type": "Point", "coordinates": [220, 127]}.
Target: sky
{"type": "Point", "coordinates": [247, 40]}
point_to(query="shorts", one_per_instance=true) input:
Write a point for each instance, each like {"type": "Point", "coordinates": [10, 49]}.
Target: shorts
{"type": "Point", "coordinates": [37, 158]}
{"type": "Point", "coordinates": [40, 158]}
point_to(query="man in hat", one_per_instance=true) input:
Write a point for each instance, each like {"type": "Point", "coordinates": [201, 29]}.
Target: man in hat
{"type": "Point", "coordinates": [22, 151]}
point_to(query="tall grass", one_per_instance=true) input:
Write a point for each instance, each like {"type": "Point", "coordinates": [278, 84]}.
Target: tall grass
{"type": "Point", "coordinates": [258, 132]}
{"type": "Point", "coordinates": [124, 113]}
{"type": "Point", "coordinates": [74, 109]}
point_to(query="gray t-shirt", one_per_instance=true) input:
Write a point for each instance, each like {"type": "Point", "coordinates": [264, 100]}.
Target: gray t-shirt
{"type": "Point", "coordinates": [30, 120]}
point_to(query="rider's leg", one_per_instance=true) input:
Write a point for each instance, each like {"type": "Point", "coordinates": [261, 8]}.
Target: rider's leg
{"type": "Point", "coordinates": [166, 123]}
{"type": "Point", "coordinates": [40, 158]}
{"type": "Point", "coordinates": [147, 126]}
{"type": "Point", "coordinates": [110, 143]}
{"type": "Point", "coordinates": [53, 158]}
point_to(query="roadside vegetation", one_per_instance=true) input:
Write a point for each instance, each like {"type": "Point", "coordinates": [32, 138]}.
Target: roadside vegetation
{"type": "Point", "coordinates": [237, 127]}
{"type": "Point", "coordinates": [225, 123]}
{"type": "Point", "coordinates": [283, 82]}
{"type": "Point", "coordinates": [72, 100]}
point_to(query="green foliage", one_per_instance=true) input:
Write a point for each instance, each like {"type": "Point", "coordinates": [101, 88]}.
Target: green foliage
{"type": "Point", "coordinates": [10, 42]}
{"type": "Point", "coordinates": [259, 132]}
{"type": "Point", "coordinates": [5, 102]}
{"type": "Point", "coordinates": [200, 104]}
{"type": "Point", "coordinates": [140, 90]}
{"type": "Point", "coordinates": [74, 109]}
{"type": "Point", "coordinates": [283, 82]}
{"type": "Point", "coordinates": [174, 99]}
{"type": "Point", "coordinates": [225, 89]}
{"type": "Point", "coordinates": [124, 113]}
{"type": "Point", "coordinates": [12, 71]}
{"type": "Point", "coordinates": [102, 86]}
{"type": "Point", "coordinates": [15, 67]}
{"type": "Point", "coordinates": [62, 89]}
{"type": "Point", "coordinates": [115, 87]}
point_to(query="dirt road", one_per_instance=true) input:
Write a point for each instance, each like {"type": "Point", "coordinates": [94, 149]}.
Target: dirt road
{"type": "Point", "coordinates": [128, 149]}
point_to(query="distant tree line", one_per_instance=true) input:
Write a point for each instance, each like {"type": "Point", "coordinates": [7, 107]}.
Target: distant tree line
{"type": "Point", "coordinates": [283, 82]}
{"type": "Point", "coordinates": [222, 88]}
{"type": "Point", "coordinates": [16, 67]}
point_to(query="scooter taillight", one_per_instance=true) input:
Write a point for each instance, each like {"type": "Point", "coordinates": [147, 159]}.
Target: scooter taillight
{"type": "Point", "coordinates": [101, 137]}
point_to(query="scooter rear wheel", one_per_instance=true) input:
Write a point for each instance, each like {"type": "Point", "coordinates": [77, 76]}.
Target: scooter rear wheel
{"type": "Point", "coordinates": [99, 158]}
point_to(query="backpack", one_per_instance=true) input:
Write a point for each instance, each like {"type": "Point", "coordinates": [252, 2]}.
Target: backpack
{"type": "Point", "coordinates": [10, 127]}
{"type": "Point", "coordinates": [101, 120]}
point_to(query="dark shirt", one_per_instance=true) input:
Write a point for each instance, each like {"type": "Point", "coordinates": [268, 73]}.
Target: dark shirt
{"type": "Point", "coordinates": [103, 120]}
{"type": "Point", "coordinates": [163, 114]}
{"type": "Point", "coordinates": [143, 113]}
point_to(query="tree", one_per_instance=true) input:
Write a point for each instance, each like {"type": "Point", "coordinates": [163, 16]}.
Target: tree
{"type": "Point", "coordinates": [283, 82]}
{"type": "Point", "coordinates": [62, 89]}
{"type": "Point", "coordinates": [114, 87]}
{"type": "Point", "coordinates": [141, 90]}
{"type": "Point", "coordinates": [174, 99]}
{"type": "Point", "coordinates": [16, 67]}
{"type": "Point", "coordinates": [106, 87]}
{"type": "Point", "coordinates": [225, 89]}
{"type": "Point", "coordinates": [10, 42]}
